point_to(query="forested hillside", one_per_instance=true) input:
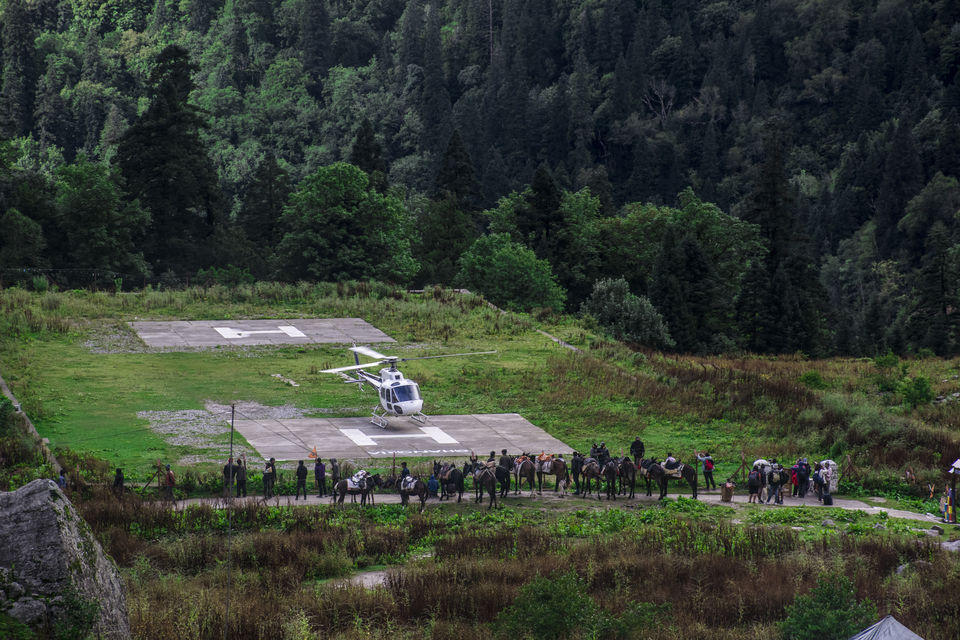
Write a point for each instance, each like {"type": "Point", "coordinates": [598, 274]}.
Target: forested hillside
{"type": "Point", "coordinates": [776, 176]}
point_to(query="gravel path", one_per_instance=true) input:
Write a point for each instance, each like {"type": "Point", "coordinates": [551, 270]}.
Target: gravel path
{"type": "Point", "coordinates": [576, 502]}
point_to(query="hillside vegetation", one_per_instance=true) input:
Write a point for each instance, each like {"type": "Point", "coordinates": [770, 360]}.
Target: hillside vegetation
{"type": "Point", "coordinates": [83, 376]}
{"type": "Point", "coordinates": [777, 176]}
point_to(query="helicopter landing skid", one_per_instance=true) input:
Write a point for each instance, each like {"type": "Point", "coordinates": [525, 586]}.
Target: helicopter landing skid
{"type": "Point", "coordinates": [378, 417]}
{"type": "Point", "coordinates": [420, 417]}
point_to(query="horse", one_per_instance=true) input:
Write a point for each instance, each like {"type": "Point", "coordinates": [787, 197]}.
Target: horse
{"type": "Point", "coordinates": [418, 489]}
{"type": "Point", "coordinates": [451, 481]}
{"type": "Point", "coordinates": [610, 473]}
{"type": "Point", "coordinates": [591, 470]}
{"type": "Point", "coordinates": [523, 470]}
{"type": "Point", "coordinates": [503, 478]}
{"type": "Point", "coordinates": [558, 469]}
{"type": "Point", "coordinates": [484, 479]}
{"type": "Point", "coordinates": [364, 489]}
{"type": "Point", "coordinates": [628, 475]}
{"type": "Point", "coordinates": [643, 470]}
{"type": "Point", "coordinates": [658, 474]}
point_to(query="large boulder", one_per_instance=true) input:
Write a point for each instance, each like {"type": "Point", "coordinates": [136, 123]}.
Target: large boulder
{"type": "Point", "coordinates": [53, 572]}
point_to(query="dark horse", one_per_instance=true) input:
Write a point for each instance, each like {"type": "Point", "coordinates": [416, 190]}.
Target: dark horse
{"type": "Point", "coordinates": [558, 469]}
{"type": "Point", "coordinates": [365, 488]}
{"type": "Point", "coordinates": [419, 489]}
{"type": "Point", "coordinates": [451, 481]}
{"type": "Point", "coordinates": [591, 470]}
{"type": "Point", "coordinates": [610, 473]}
{"type": "Point", "coordinates": [628, 475]}
{"type": "Point", "coordinates": [658, 474]}
{"type": "Point", "coordinates": [484, 479]}
{"type": "Point", "coordinates": [523, 470]}
{"type": "Point", "coordinates": [503, 478]}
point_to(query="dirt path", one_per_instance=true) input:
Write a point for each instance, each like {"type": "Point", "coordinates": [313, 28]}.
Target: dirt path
{"type": "Point", "coordinates": [576, 502]}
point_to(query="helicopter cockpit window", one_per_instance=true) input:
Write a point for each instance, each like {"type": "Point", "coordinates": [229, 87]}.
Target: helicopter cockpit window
{"type": "Point", "coordinates": [406, 393]}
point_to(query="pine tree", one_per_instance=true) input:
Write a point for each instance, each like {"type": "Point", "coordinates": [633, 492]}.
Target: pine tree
{"type": "Point", "coordinates": [17, 92]}
{"type": "Point", "coordinates": [902, 179]}
{"type": "Point", "coordinates": [167, 168]}
{"type": "Point", "coordinates": [315, 42]}
{"type": "Point", "coordinates": [456, 179]}
{"type": "Point", "coordinates": [263, 203]}
{"type": "Point", "coordinates": [366, 154]}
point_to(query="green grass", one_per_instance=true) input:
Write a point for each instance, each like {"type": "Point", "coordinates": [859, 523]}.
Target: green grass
{"type": "Point", "coordinates": [679, 404]}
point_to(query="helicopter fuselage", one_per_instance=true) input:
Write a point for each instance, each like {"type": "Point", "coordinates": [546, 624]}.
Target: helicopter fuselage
{"type": "Point", "coordinates": [398, 395]}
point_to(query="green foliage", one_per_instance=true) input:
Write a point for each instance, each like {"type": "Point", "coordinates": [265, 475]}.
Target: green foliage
{"type": "Point", "coordinates": [830, 611]}
{"type": "Point", "coordinates": [556, 606]}
{"type": "Point", "coordinates": [628, 317]}
{"type": "Point", "coordinates": [13, 629]}
{"type": "Point", "coordinates": [916, 391]}
{"type": "Point", "coordinates": [78, 616]}
{"type": "Point", "coordinates": [336, 228]}
{"type": "Point", "coordinates": [509, 274]}
{"type": "Point", "coordinates": [230, 276]}
{"type": "Point", "coordinates": [814, 380]}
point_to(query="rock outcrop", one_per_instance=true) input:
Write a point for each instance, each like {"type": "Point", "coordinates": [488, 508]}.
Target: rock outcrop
{"type": "Point", "coordinates": [52, 569]}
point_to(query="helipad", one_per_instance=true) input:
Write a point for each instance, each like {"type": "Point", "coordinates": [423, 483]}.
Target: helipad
{"type": "Point", "coordinates": [209, 333]}
{"type": "Point", "coordinates": [439, 436]}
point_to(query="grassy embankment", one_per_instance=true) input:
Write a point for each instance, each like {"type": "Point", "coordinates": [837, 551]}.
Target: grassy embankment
{"type": "Point", "coordinates": [87, 400]}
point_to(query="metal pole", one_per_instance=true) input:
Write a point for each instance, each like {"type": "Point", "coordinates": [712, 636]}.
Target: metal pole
{"type": "Point", "coordinates": [226, 616]}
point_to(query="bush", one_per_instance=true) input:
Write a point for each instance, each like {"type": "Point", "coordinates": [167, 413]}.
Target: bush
{"type": "Point", "coordinates": [829, 612]}
{"type": "Point", "coordinates": [814, 380]}
{"type": "Point", "coordinates": [509, 274]}
{"type": "Point", "coordinates": [916, 391]}
{"type": "Point", "coordinates": [628, 317]}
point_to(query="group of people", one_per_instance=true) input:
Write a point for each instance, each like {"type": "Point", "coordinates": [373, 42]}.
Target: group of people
{"type": "Point", "coordinates": [767, 480]}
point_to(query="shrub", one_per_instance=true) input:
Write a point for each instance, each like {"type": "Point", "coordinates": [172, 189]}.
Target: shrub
{"type": "Point", "coordinates": [509, 274]}
{"type": "Point", "coordinates": [829, 612]}
{"type": "Point", "coordinates": [814, 380]}
{"type": "Point", "coordinates": [916, 391]}
{"type": "Point", "coordinates": [628, 317]}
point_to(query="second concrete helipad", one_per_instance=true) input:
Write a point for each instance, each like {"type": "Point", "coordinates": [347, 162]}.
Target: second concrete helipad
{"type": "Point", "coordinates": [440, 436]}
{"type": "Point", "coordinates": [210, 333]}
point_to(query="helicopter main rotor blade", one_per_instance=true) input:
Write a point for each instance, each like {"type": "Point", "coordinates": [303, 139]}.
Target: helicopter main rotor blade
{"type": "Point", "coordinates": [353, 367]}
{"type": "Point", "coordinates": [450, 355]}
{"type": "Point", "coordinates": [370, 353]}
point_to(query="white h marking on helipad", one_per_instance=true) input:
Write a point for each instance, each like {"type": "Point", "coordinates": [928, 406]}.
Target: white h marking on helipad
{"type": "Point", "coordinates": [436, 434]}
{"type": "Point", "coordinates": [231, 334]}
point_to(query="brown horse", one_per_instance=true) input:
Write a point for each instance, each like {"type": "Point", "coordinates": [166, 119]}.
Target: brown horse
{"type": "Point", "coordinates": [591, 470]}
{"type": "Point", "coordinates": [610, 473]}
{"type": "Point", "coordinates": [451, 481]}
{"type": "Point", "coordinates": [558, 469]}
{"type": "Point", "coordinates": [484, 479]}
{"type": "Point", "coordinates": [628, 475]}
{"type": "Point", "coordinates": [523, 470]}
{"type": "Point", "coordinates": [659, 475]}
{"type": "Point", "coordinates": [418, 489]}
{"type": "Point", "coordinates": [365, 488]}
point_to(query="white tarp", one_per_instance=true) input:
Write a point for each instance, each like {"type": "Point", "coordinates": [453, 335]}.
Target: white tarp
{"type": "Point", "coordinates": [886, 629]}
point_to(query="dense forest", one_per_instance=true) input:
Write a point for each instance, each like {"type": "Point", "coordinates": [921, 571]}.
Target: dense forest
{"type": "Point", "coordinates": [705, 176]}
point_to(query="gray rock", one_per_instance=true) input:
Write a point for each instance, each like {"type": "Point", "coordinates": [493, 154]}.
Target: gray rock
{"type": "Point", "coordinates": [938, 529]}
{"type": "Point", "coordinates": [879, 526]}
{"type": "Point", "coordinates": [828, 523]}
{"type": "Point", "coordinates": [49, 549]}
{"type": "Point", "coordinates": [953, 545]}
{"type": "Point", "coordinates": [28, 611]}
{"type": "Point", "coordinates": [916, 565]}
{"type": "Point", "coordinates": [14, 590]}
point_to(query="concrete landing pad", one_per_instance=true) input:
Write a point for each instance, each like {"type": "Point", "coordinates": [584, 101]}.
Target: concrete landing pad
{"type": "Point", "coordinates": [440, 436]}
{"type": "Point", "coordinates": [210, 333]}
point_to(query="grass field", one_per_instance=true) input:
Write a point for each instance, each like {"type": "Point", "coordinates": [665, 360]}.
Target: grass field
{"type": "Point", "coordinates": [84, 377]}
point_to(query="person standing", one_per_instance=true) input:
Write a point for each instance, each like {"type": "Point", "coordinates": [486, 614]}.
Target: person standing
{"type": "Point", "coordinates": [803, 478]}
{"type": "Point", "coordinates": [170, 483]}
{"type": "Point", "coordinates": [576, 468]}
{"type": "Point", "coordinates": [229, 473]}
{"type": "Point", "coordinates": [301, 480]}
{"type": "Point", "coordinates": [269, 476]}
{"type": "Point", "coordinates": [707, 462]}
{"type": "Point", "coordinates": [334, 473]}
{"type": "Point", "coordinates": [775, 480]}
{"type": "Point", "coordinates": [637, 450]}
{"type": "Point", "coordinates": [62, 480]}
{"type": "Point", "coordinates": [320, 477]}
{"type": "Point", "coordinates": [754, 483]}
{"type": "Point", "coordinates": [118, 483]}
{"type": "Point", "coordinates": [242, 477]}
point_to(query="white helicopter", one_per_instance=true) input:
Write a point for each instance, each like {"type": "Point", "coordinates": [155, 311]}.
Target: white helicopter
{"type": "Point", "coordinates": [399, 396]}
